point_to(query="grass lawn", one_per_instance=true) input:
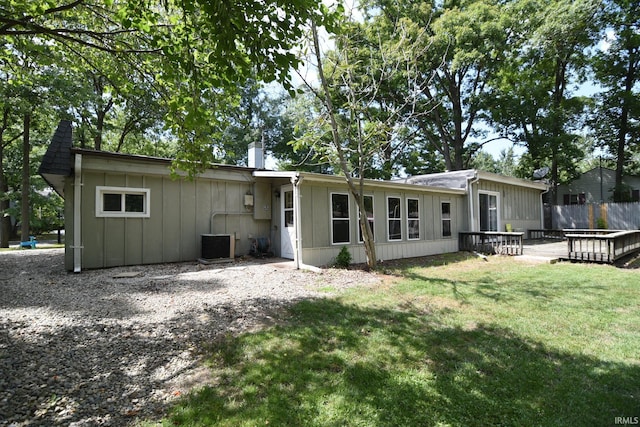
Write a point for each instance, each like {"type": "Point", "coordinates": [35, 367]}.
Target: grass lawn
{"type": "Point", "coordinates": [463, 343]}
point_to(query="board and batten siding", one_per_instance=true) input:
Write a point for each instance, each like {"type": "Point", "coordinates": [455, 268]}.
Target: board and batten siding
{"type": "Point", "coordinates": [519, 206]}
{"type": "Point", "coordinates": [180, 212]}
{"type": "Point", "coordinates": [317, 248]}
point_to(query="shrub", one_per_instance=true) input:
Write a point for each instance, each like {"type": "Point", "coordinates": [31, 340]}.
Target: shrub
{"type": "Point", "coordinates": [344, 258]}
{"type": "Point", "coordinates": [601, 224]}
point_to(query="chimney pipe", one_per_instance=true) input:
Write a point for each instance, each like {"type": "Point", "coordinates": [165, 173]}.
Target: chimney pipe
{"type": "Point", "coordinates": [256, 155]}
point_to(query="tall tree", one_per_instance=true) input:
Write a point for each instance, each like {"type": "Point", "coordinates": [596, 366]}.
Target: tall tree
{"type": "Point", "coordinates": [531, 101]}
{"type": "Point", "coordinates": [466, 40]}
{"type": "Point", "coordinates": [359, 126]}
{"type": "Point", "coordinates": [197, 51]}
{"type": "Point", "coordinates": [8, 134]}
{"type": "Point", "coordinates": [21, 83]}
{"type": "Point", "coordinates": [617, 69]}
{"type": "Point", "coordinates": [260, 116]}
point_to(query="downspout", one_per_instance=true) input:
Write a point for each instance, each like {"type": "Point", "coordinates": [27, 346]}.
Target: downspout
{"type": "Point", "coordinates": [77, 211]}
{"type": "Point", "coordinates": [297, 227]}
{"type": "Point", "coordinates": [297, 253]}
{"type": "Point", "coordinates": [470, 182]}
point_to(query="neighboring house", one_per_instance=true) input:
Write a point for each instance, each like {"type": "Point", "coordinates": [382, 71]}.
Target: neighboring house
{"type": "Point", "coordinates": [596, 186]}
{"type": "Point", "coordinates": [128, 210]}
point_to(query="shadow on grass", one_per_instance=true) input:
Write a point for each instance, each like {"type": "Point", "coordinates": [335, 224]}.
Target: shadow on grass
{"type": "Point", "coordinates": [487, 286]}
{"type": "Point", "coordinates": [335, 364]}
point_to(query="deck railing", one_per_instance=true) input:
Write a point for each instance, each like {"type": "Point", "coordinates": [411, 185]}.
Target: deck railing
{"type": "Point", "coordinates": [602, 246]}
{"type": "Point", "coordinates": [491, 242]}
{"type": "Point", "coordinates": [540, 233]}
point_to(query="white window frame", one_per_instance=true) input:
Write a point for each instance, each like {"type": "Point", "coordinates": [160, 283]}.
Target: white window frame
{"type": "Point", "coordinates": [372, 220]}
{"type": "Point", "coordinates": [347, 219]}
{"type": "Point", "coordinates": [417, 200]}
{"type": "Point", "coordinates": [443, 219]}
{"type": "Point", "coordinates": [498, 208]}
{"type": "Point", "coordinates": [389, 219]}
{"type": "Point", "coordinates": [123, 191]}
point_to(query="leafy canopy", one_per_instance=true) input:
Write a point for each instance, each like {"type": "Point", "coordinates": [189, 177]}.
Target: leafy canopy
{"type": "Point", "coordinates": [194, 53]}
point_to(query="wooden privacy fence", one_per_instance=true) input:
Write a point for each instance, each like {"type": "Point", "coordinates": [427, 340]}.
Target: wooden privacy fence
{"type": "Point", "coordinates": [616, 216]}
{"type": "Point", "coordinates": [491, 242]}
{"type": "Point", "coordinates": [602, 246]}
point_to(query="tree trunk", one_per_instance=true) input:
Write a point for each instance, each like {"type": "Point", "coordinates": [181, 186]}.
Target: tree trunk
{"type": "Point", "coordinates": [26, 184]}
{"type": "Point", "coordinates": [5, 220]}
{"type": "Point", "coordinates": [618, 195]}
{"type": "Point", "coordinates": [369, 244]}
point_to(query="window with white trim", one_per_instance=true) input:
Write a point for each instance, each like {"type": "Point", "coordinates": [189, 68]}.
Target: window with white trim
{"type": "Point", "coordinates": [394, 218]}
{"type": "Point", "coordinates": [368, 208]}
{"type": "Point", "coordinates": [445, 216]}
{"type": "Point", "coordinates": [340, 224]}
{"type": "Point", "coordinates": [413, 219]}
{"type": "Point", "coordinates": [122, 202]}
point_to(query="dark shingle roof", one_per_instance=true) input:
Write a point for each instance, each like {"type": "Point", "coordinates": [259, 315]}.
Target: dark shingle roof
{"type": "Point", "coordinates": [56, 163]}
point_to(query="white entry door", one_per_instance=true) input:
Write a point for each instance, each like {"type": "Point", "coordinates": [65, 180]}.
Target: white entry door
{"type": "Point", "coordinates": [288, 231]}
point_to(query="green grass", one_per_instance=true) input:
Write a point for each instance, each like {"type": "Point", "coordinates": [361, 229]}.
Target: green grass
{"type": "Point", "coordinates": [461, 342]}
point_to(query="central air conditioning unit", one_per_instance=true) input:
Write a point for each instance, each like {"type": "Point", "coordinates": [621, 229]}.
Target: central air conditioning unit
{"type": "Point", "coordinates": [218, 246]}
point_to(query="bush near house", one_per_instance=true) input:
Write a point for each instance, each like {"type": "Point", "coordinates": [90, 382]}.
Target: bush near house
{"type": "Point", "coordinates": [343, 259]}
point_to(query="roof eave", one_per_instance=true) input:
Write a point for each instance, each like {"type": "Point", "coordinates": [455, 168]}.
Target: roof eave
{"type": "Point", "coordinates": [336, 179]}
{"type": "Point", "coordinates": [488, 176]}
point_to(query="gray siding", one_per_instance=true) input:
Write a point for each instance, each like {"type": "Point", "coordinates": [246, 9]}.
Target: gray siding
{"type": "Point", "coordinates": [180, 212]}
{"type": "Point", "coordinates": [318, 249]}
{"type": "Point", "coordinates": [519, 206]}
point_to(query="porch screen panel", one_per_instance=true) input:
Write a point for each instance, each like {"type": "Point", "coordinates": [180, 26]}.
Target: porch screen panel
{"type": "Point", "coordinates": [413, 219]}
{"type": "Point", "coordinates": [394, 218]}
{"type": "Point", "coordinates": [288, 208]}
{"type": "Point", "coordinates": [340, 218]}
{"type": "Point", "coordinates": [445, 211]}
{"type": "Point", "coordinates": [368, 207]}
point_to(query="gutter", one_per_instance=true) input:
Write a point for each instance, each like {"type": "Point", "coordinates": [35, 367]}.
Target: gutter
{"type": "Point", "coordinates": [340, 180]}
{"type": "Point", "coordinates": [77, 221]}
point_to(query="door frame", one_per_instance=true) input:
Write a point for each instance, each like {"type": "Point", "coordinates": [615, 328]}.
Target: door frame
{"type": "Point", "coordinates": [495, 194]}
{"type": "Point", "coordinates": [287, 234]}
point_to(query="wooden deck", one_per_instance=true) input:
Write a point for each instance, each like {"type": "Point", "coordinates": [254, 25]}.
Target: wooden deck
{"type": "Point", "coordinates": [550, 251]}
{"type": "Point", "coordinates": [604, 246]}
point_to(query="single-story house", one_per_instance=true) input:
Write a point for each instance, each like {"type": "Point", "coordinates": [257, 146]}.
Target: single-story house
{"type": "Point", "coordinates": [596, 186]}
{"type": "Point", "coordinates": [128, 210]}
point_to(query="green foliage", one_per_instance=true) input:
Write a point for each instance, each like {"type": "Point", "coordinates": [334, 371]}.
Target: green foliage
{"type": "Point", "coordinates": [617, 70]}
{"type": "Point", "coordinates": [468, 343]}
{"type": "Point", "coordinates": [601, 224]}
{"type": "Point", "coordinates": [179, 65]}
{"type": "Point", "coordinates": [343, 259]}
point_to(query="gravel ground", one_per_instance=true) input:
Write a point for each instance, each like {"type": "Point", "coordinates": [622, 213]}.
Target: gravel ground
{"type": "Point", "coordinates": [97, 349]}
